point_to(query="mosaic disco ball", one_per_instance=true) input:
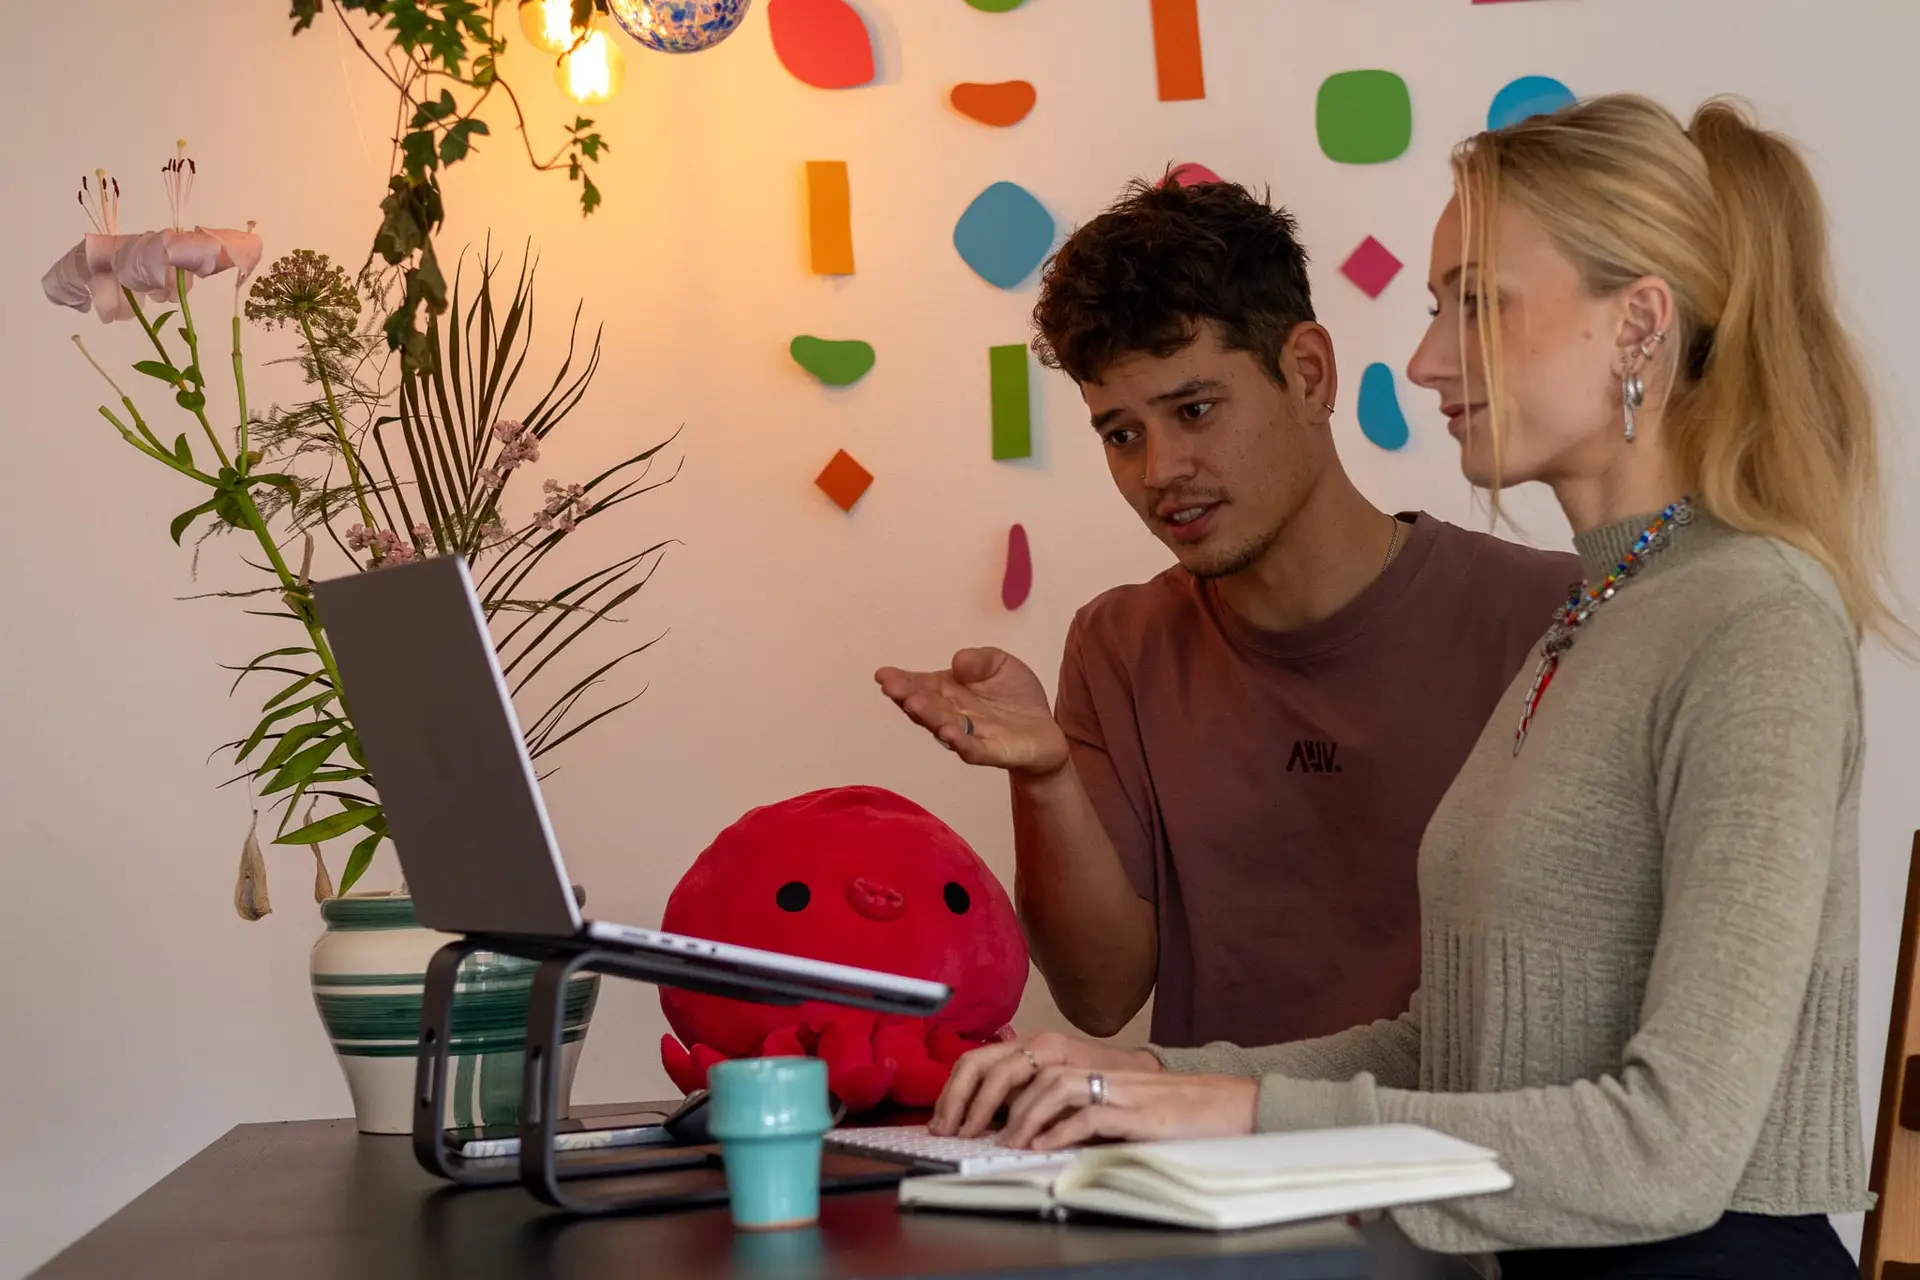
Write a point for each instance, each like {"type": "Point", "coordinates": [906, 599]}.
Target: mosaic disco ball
{"type": "Point", "coordinates": [678, 26]}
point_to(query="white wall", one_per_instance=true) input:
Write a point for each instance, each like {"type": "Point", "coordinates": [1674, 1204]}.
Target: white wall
{"type": "Point", "coordinates": [141, 1019]}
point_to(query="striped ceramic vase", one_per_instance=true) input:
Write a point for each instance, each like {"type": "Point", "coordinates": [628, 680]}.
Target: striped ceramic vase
{"type": "Point", "coordinates": [368, 970]}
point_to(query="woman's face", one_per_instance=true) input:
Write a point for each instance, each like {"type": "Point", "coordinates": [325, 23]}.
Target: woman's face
{"type": "Point", "coordinates": [1562, 411]}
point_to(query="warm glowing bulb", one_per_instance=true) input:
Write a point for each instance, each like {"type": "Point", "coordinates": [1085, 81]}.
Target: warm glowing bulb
{"type": "Point", "coordinates": [548, 23]}
{"type": "Point", "coordinates": [592, 71]}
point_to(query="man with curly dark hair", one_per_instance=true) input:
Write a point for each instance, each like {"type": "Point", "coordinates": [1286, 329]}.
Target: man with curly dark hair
{"type": "Point", "coordinates": [1224, 806]}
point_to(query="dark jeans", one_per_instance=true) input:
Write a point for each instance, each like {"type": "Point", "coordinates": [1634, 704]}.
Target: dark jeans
{"type": "Point", "coordinates": [1741, 1246]}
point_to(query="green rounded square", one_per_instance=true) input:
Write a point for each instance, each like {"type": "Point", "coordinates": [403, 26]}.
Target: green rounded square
{"type": "Point", "coordinates": [1364, 117]}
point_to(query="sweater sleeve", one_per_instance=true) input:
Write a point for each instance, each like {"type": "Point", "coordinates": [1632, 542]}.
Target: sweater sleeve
{"type": "Point", "coordinates": [1754, 765]}
{"type": "Point", "coordinates": [1388, 1050]}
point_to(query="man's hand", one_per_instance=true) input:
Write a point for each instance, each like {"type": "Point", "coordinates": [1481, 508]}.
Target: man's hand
{"type": "Point", "coordinates": [987, 1078]}
{"type": "Point", "coordinates": [998, 697]}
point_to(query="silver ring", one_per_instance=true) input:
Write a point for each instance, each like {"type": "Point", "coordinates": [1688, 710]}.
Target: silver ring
{"type": "Point", "coordinates": [1096, 1089]}
{"type": "Point", "coordinates": [966, 728]}
{"type": "Point", "coordinates": [1032, 1061]}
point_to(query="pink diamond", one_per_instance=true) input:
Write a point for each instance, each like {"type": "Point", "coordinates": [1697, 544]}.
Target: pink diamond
{"type": "Point", "coordinates": [1371, 267]}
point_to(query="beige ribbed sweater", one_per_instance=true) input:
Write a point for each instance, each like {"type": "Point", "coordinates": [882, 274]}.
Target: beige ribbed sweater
{"type": "Point", "coordinates": [1641, 936]}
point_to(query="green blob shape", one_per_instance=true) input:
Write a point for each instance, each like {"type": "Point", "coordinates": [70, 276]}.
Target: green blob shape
{"type": "Point", "coordinates": [996, 6]}
{"type": "Point", "coordinates": [1364, 117]}
{"type": "Point", "coordinates": [834, 363]}
{"type": "Point", "coordinates": [1012, 414]}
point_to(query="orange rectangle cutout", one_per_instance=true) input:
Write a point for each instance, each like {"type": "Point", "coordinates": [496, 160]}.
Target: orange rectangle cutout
{"type": "Point", "coordinates": [830, 217]}
{"type": "Point", "coordinates": [1176, 50]}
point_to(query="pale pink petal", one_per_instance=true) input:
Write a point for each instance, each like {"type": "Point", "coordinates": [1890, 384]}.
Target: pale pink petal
{"type": "Point", "coordinates": [169, 290]}
{"type": "Point", "coordinates": [240, 249]}
{"type": "Point", "coordinates": [101, 251]}
{"type": "Point", "coordinates": [109, 300]}
{"type": "Point", "coordinates": [65, 283]}
{"type": "Point", "coordinates": [141, 264]}
{"type": "Point", "coordinates": [194, 252]}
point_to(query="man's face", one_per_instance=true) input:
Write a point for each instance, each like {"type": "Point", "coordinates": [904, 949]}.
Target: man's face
{"type": "Point", "coordinates": [1214, 455]}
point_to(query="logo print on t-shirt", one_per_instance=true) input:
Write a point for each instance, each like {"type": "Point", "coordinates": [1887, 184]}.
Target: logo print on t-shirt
{"type": "Point", "coordinates": [1313, 756]}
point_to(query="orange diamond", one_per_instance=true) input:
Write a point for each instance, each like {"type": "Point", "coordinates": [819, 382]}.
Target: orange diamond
{"type": "Point", "coordinates": [844, 480]}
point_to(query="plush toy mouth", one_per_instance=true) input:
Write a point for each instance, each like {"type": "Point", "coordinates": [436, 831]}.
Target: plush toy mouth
{"type": "Point", "coordinates": [874, 900]}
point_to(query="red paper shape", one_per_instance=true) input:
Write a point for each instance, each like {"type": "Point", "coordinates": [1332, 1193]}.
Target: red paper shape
{"type": "Point", "coordinates": [822, 42]}
{"type": "Point", "coordinates": [1018, 581]}
{"type": "Point", "coordinates": [844, 480]}
{"type": "Point", "coordinates": [1372, 267]}
{"type": "Point", "coordinates": [999, 105]}
{"type": "Point", "coordinates": [1191, 174]}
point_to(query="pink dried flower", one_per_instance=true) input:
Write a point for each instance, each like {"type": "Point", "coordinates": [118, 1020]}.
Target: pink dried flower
{"type": "Point", "coordinates": [508, 429]}
{"type": "Point", "coordinates": [359, 537]}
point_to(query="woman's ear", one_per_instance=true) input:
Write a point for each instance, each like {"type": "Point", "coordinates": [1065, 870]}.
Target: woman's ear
{"type": "Point", "coordinates": [1646, 317]}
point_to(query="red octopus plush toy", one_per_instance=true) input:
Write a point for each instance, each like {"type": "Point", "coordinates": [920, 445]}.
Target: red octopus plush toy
{"type": "Point", "coordinates": [860, 876]}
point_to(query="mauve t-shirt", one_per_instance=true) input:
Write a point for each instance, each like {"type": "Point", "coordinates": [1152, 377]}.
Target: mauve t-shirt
{"type": "Point", "coordinates": [1267, 790]}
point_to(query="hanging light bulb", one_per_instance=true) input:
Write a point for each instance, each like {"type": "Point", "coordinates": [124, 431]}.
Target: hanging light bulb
{"type": "Point", "coordinates": [548, 24]}
{"type": "Point", "coordinates": [593, 69]}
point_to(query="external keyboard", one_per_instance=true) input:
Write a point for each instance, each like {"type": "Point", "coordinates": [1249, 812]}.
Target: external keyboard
{"type": "Point", "coordinates": [912, 1144]}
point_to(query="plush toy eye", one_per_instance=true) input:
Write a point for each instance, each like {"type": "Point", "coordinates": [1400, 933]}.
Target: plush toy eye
{"type": "Point", "coordinates": [793, 896]}
{"type": "Point", "coordinates": [957, 899]}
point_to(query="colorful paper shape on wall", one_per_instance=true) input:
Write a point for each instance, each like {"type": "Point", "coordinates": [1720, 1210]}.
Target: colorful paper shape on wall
{"type": "Point", "coordinates": [1176, 50]}
{"type": "Point", "coordinates": [996, 6]}
{"type": "Point", "coordinates": [1012, 410]}
{"type": "Point", "coordinates": [844, 480]}
{"type": "Point", "coordinates": [1527, 96]}
{"type": "Point", "coordinates": [1381, 420]}
{"type": "Point", "coordinates": [1191, 174]}
{"type": "Point", "coordinates": [1000, 105]}
{"type": "Point", "coordinates": [1017, 582]}
{"type": "Point", "coordinates": [835, 363]}
{"type": "Point", "coordinates": [1371, 267]}
{"type": "Point", "coordinates": [1004, 234]}
{"type": "Point", "coordinates": [830, 217]}
{"type": "Point", "coordinates": [1364, 117]}
{"type": "Point", "coordinates": [822, 42]}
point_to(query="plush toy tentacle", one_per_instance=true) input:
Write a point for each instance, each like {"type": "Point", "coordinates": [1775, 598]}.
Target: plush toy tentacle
{"type": "Point", "coordinates": [680, 1067]}
{"type": "Point", "coordinates": [917, 1078]}
{"type": "Point", "coordinates": [856, 1078]}
{"type": "Point", "coordinates": [784, 1043]}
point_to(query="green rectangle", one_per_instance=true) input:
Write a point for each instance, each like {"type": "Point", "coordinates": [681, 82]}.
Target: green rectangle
{"type": "Point", "coordinates": [1012, 415]}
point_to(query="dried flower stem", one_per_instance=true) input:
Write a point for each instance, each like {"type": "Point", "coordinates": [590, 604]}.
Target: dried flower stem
{"type": "Point", "coordinates": [339, 427]}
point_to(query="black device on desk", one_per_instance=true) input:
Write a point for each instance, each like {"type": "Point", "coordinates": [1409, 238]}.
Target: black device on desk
{"type": "Point", "coordinates": [436, 721]}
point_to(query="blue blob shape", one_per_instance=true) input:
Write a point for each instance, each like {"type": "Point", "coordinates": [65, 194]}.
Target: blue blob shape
{"type": "Point", "coordinates": [1380, 418]}
{"type": "Point", "coordinates": [1528, 96]}
{"type": "Point", "coordinates": [1004, 234]}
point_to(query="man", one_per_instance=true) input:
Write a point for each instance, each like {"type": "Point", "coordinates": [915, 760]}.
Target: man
{"type": "Point", "coordinates": [1225, 806]}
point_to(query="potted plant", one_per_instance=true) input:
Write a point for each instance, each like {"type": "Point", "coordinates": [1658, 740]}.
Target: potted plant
{"type": "Point", "coordinates": [394, 457]}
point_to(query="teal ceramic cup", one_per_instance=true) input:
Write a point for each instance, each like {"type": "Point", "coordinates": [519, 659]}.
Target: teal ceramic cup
{"type": "Point", "coordinates": [769, 1115]}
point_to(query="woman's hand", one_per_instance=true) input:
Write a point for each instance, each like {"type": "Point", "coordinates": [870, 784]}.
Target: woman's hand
{"type": "Point", "coordinates": [985, 1079]}
{"type": "Point", "coordinates": [1057, 1109]}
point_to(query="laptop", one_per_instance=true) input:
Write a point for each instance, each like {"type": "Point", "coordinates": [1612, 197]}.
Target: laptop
{"type": "Point", "coordinates": [436, 721]}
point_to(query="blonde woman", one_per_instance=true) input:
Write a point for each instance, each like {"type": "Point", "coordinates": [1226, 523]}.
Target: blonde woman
{"type": "Point", "coordinates": [1640, 897]}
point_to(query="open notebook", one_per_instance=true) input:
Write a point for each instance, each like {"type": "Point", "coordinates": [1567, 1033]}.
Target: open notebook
{"type": "Point", "coordinates": [1222, 1184]}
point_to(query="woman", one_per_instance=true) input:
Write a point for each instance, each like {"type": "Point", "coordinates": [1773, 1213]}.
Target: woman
{"type": "Point", "coordinates": [1639, 898]}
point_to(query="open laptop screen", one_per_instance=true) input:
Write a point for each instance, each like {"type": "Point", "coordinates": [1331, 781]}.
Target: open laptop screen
{"type": "Point", "coordinates": [445, 750]}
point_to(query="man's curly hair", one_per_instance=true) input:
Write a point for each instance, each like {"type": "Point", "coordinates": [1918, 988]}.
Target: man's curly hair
{"type": "Point", "coordinates": [1161, 260]}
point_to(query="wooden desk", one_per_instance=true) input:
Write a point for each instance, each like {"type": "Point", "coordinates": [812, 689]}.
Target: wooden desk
{"type": "Point", "coordinates": [315, 1200]}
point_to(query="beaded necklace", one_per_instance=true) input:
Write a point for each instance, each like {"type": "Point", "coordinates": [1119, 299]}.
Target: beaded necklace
{"type": "Point", "coordinates": [1582, 600]}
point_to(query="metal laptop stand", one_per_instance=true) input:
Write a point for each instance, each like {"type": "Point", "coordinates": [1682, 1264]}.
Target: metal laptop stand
{"type": "Point", "coordinates": [542, 1169]}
